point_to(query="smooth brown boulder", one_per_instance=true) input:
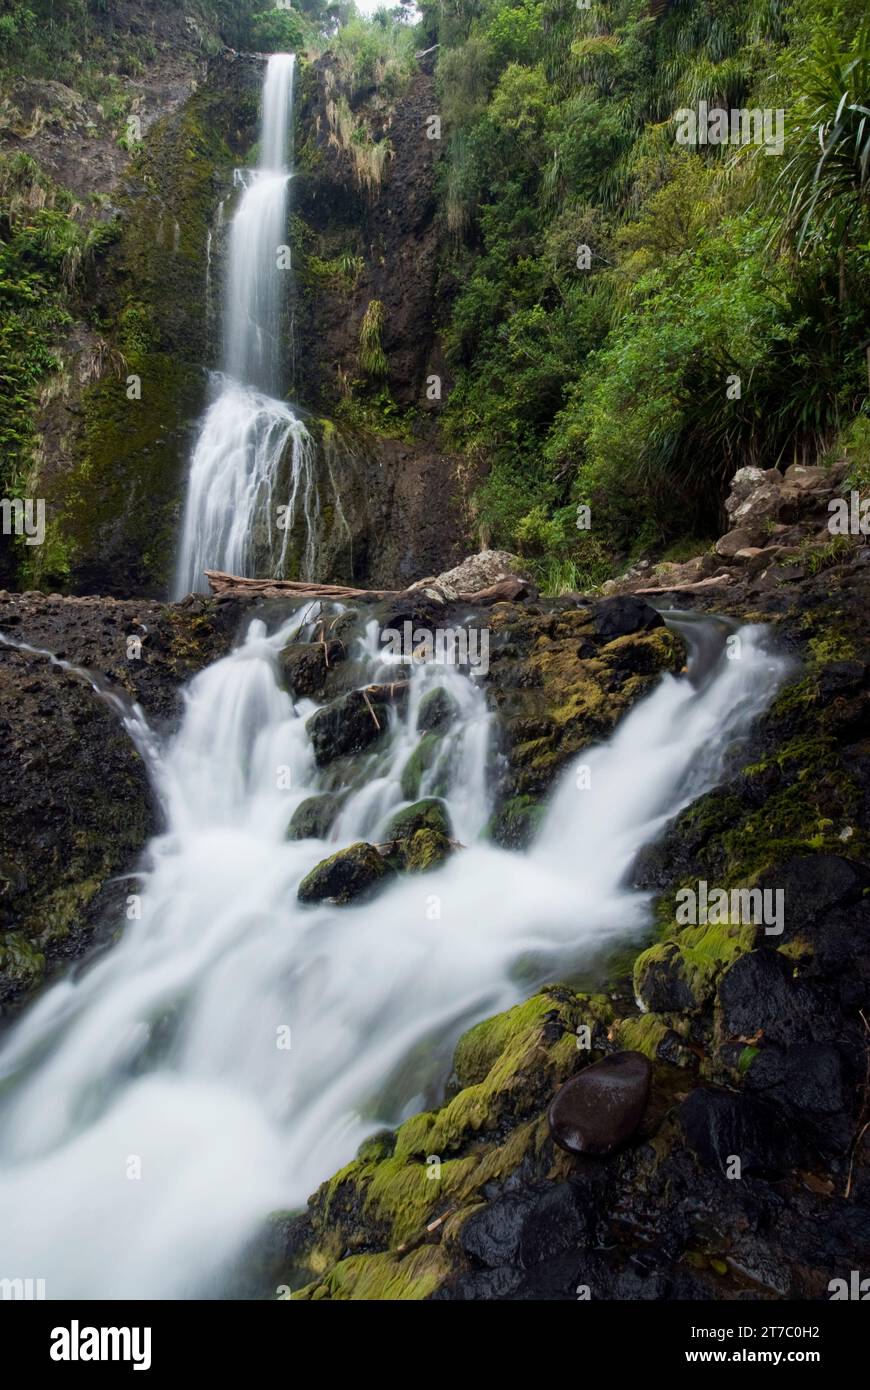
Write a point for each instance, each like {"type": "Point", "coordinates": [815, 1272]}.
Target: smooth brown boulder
{"type": "Point", "coordinates": [600, 1108]}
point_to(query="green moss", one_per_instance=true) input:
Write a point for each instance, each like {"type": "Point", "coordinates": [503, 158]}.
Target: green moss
{"type": "Point", "coordinates": [429, 814]}
{"type": "Point", "coordinates": [377, 1146]}
{"type": "Point", "coordinates": [21, 963]}
{"type": "Point", "coordinates": [116, 506]}
{"type": "Point", "coordinates": [427, 849]}
{"type": "Point", "coordinates": [642, 1033]}
{"type": "Point", "coordinates": [420, 761]}
{"type": "Point", "coordinates": [380, 1277]}
{"type": "Point", "coordinates": [695, 957]}
{"type": "Point", "coordinates": [480, 1048]}
{"type": "Point", "coordinates": [514, 825]}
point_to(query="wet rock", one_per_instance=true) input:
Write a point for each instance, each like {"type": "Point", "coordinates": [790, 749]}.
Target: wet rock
{"type": "Point", "coordinates": [761, 993]}
{"type": "Point", "coordinates": [526, 1226]}
{"type": "Point", "coordinates": [617, 617]}
{"type": "Point", "coordinates": [598, 1110]}
{"type": "Point", "coordinates": [811, 885]}
{"type": "Point", "coordinates": [307, 665]}
{"type": "Point", "coordinates": [841, 679]}
{"type": "Point", "coordinates": [437, 711]}
{"type": "Point", "coordinates": [313, 818]}
{"type": "Point", "coordinates": [348, 725]}
{"type": "Point", "coordinates": [513, 825]}
{"type": "Point", "coordinates": [720, 1126]}
{"type": "Point", "coordinates": [429, 814]}
{"type": "Point", "coordinates": [660, 980]}
{"type": "Point", "coordinates": [426, 849]}
{"type": "Point", "coordinates": [350, 874]}
{"type": "Point", "coordinates": [420, 761]}
{"type": "Point", "coordinates": [809, 1080]}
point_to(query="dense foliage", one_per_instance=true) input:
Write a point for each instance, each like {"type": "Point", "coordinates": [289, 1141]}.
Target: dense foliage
{"type": "Point", "coordinates": [636, 317]}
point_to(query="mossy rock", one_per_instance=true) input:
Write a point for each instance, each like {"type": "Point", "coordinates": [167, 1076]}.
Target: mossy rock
{"type": "Point", "coordinates": [348, 725]}
{"type": "Point", "coordinates": [426, 849]}
{"type": "Point", "coordinates": [514, 825]}
{"type": "Point", "coordinates": [681, 973]}
{"type": "Point", "coordinates": [420, 761]}
{"type": "Point", "coordinates": [313, 818]}
{"type": "Point", "coordinates": [437, 711]}
{"type": "Point", "coordinates": [349, 875]}
{"type": "Point", "coordinates": [428, 814]}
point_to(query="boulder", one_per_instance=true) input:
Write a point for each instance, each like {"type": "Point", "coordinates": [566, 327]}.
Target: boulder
{"type": "Point", "coordinates": [600, 1109]}
{"type": "Point", "coordinates": [759, 508]}
{"type": "Point", "coordinates": [760, 994]}
{"type": "Point", "coordinates": [475, 573]}
{"type": "Point", "coordinates": [313, 818]}
{"type": "Point", "coordinates": [437, 711]}
{"type": "Point", "coordinates": [618, 617]}
{"type": "Point", "coordinates": [429, 814]}
{"type": "Point", "coordinates": [420, 761]}
{"type": "Point", "coordinates": [742, 538]}
{"type": "Point", "coordinates": [352, 873]}
{"type": "Point", "coordinates": [719, 1126]}
{"type": "Point", "coordinates": [348, 725]}
{"type": "Point", "coordinates": [745, 482]}
{"type": "Point", "coordinates": [306, 665]}
{"type": "Point", "coordinates": [426, 849]}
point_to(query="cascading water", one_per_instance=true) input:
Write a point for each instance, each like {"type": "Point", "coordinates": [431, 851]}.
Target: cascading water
{"type": "Point", "coordinates": [152, 1117]}
{"type": "Point", "coordinates": [231, 509]}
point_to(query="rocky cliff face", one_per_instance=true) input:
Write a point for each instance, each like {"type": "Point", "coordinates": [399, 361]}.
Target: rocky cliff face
{"type": "Point", "coordinates": [116, 424]}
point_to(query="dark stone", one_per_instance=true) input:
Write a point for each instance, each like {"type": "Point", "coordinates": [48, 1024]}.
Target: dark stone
{"type": "Point", "coordinates": [492, 1236]}
{"type": "Point", "coordinates": [306, 665]}
{"type": "Point", "coordinates": [351, 873]}
{"type": "Point", "coordinates": [555, 1224]}
{"type": "Point", "coordinates": [721, 1125]}
{"type": "Point", "coordinates": [598, 1110]}
{"type": "Point", "coordinates": [346, 726]}
{"type": "Point", "coordinates": [812, 884]}
{"type": "Point", "coordinates": [437, 711]}
{"type": "Point", "coordinates": [760, 993]}
{"type": "Point", "coordinates": [313, 817]}
{"type": "Point", "coordinates": [664, 988]}
{"type": "Point", "coordinates": [840, 679]}
{"type": "Point", "coordinates": [809, 1081]}
{"type": "Point", "coordinates": [527, 1226]}
{"type": "Point", "coordinates": [617, 617]}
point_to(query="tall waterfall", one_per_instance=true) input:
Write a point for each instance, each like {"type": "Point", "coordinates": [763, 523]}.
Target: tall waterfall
{"type": "Point", "coordinates": [249, 438]}
{"type": "Point", "coordinates": [149, 1121]}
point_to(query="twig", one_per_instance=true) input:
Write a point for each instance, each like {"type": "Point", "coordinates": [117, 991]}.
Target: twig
{"type": "Point", "coordinates": [865, 1105]}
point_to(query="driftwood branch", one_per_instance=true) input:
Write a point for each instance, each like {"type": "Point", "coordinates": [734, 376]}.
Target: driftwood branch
{"type": "Point", "coordinates": [508, 589]}
{"type": "Point", "coordinates": [221, 583]}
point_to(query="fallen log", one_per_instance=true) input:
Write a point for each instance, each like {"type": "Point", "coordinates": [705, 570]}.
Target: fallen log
{"type": "Point", "coordinates": [506, 590]}
{"type": "Point", "coordinates": [221, 583]}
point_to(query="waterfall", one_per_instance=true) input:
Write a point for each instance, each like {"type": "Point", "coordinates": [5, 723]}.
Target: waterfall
{"type": "Point", "coordinates": [151, 1121]}
{"type": "Point", "coordinates": [231, 517]}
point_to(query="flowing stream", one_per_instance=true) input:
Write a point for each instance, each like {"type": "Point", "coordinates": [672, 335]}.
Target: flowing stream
{"type": "Point", "coordinates": [152, 1112]}
{"type": "Point", "coordinates": [248, 433]}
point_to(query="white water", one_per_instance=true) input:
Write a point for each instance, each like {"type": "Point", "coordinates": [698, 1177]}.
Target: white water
{"type": "Point", "coordinates": [231, 507]}
{"type": "Point", "coordinates": [165, 1048]}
